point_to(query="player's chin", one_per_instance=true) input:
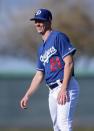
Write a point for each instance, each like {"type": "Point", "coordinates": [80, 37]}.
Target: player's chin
{"type": "Point", "coordinates": [39, 31]}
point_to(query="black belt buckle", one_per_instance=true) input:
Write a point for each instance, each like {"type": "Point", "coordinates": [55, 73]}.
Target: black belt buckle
{"type": "Point", "coordinates": [52, 86]}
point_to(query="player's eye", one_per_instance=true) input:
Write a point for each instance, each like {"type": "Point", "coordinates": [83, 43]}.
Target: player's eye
{"type": "Point", "coordinates": [39, 21]}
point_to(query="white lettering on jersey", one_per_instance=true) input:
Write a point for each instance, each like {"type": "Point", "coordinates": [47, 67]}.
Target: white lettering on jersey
{"type": "Point", "coordinates": [47, 54]}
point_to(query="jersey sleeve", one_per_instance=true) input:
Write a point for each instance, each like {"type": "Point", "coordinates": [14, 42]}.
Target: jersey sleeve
{"type": "Point", "coordinates": [64, 46]}
{"type": "Point", "coordinates": [40, 65]}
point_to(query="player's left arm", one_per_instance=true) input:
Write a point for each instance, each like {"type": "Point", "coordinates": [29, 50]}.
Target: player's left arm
{"type": "Point", "coordinates": [68, 69]}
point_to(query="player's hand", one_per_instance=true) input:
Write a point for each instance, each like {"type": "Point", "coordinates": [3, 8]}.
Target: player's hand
{"type": "Point", "coordinates": [62, 97]}
{"type": "Point", "coordinates": [24, 102]}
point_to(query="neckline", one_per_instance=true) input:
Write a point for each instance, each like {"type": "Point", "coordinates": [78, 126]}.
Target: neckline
{"type": "Point", "coordinates": [44, 42]}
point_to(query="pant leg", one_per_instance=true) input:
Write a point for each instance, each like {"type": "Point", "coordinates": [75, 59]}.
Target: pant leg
{"type": "Point", "coordinates": [66, 112]}
{"type": "Point", "coordinates": [53, 110]}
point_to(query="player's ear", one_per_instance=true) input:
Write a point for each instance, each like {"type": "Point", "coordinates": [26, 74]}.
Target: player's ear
{"type": "Point", "coordinates": [48, 23]}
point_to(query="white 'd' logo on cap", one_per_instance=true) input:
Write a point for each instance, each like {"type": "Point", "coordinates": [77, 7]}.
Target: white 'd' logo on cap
{"type": "Point", "coordinates": [38, 12]}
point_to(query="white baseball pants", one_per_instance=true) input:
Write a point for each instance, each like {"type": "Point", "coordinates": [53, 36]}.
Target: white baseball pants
{"type": "Point", "coordinates": [62, 115]}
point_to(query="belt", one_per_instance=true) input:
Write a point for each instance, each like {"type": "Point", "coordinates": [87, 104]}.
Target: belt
{"type": "Point", "coordinates": [52, 86]}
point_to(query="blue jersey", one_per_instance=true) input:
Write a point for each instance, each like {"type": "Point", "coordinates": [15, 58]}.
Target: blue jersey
{"type": "Point", "coordinates": [51, 54]}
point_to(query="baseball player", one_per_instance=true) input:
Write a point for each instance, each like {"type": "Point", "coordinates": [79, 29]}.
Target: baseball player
{"type": "Point", "coordinates": [55, 64]}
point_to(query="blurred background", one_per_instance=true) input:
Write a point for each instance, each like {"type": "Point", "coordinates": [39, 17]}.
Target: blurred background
{"type": "Point", "coordinates": [18, 46]}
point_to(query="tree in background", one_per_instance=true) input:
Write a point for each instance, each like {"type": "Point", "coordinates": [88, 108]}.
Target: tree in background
{"type": "Point", "coordinates": [18, 36]}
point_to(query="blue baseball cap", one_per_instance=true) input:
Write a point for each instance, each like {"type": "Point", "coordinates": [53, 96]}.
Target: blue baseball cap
{"type": "Point", "coordinates": [42, 14]}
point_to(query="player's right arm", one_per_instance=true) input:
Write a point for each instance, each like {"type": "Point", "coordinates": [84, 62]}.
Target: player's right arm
{"type": "Point", "coordinates": [34, 85]}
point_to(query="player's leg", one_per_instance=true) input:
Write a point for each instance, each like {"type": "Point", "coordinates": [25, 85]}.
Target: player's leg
{"type": "Point", "coordinates": [65, 112]}
{"type": "Point", "coordinates": [53, 110]}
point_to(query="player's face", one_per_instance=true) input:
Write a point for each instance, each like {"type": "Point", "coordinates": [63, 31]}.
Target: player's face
{"type": "Point", "coordinates": [41, 26]}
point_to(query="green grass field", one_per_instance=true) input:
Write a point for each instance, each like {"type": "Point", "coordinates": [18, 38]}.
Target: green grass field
{"type": "Point", "coordinates": [43, 129]}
